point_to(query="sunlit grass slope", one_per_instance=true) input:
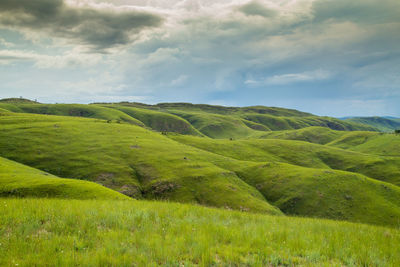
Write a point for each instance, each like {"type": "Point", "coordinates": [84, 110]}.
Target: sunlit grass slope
{"type": "Point", "coordinates": [158, 121]}
{"type": "Point", "coordinates": [218, 126]}
{"type": "Point", "coordinates": [77, 110]}
{"type": "Point", "coordinates": [300, 153]}
{"type": "Point", "coordinates": [276, 123]}
{"type": "Point", "coordinates": [325, 193]}
{"type": "Point", "coordinates": [185, 118]}
{"type": "Point", "coordinates": [367, 142]}
{"type": "Point", "coordinates": [145, 164]}
{"type": "Point", "coordinates": [188, 107]}
{"type": "Point", "coordinates": [383, 124]}
{"type": "Point", "coordinates": [17, 180]}
{"type": "Point", "coordinates": [48, 232]}
{"type": "Point", "coordinates": [314, 134]}
{"type": "Point", "coordinates": [127, 158]}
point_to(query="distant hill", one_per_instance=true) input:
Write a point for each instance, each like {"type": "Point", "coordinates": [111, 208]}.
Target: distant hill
{"type": "Point", "coordinates": [18, 101]}
{"type": "Point", "coordinates": [384, 124]}
{"type": "Point", "coordinates": [191, 119]}
{"type": "Point", "coordinates": [260, 175]}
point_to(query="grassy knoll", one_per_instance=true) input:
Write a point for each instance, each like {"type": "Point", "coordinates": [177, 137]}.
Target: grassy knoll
{"type": "Point", "coordinates": [276, 123]}
{"type": "Point", "coordinates": [188, 107]}
{"type": "Point", "coordinates": [17, 180]}
{"type": "Point", "coordinates": [325, 193]}
{"type": "Point", "coordinates": [218, 126]}
{"type": "Point", "coordinates": [77, 110]}
{"type": "Point", "coordinates": [127, 158]}
{"type": "Point", "coordinates": [125, 233]}
{"type": "Point", "coordinates": [314, 134]}
{"type": "Point", "coordinates": [158, 121]}
{"type": "Point", "coordinates": [383, 144]}
{"type": "Point", "coordinates": [146, 164]}
{"type": "Point", "coordinates": [383, 124]}
{"type": "Point", "coordinates": [300, 153]}
{"type": "Point", "coordinates": [185, 118]}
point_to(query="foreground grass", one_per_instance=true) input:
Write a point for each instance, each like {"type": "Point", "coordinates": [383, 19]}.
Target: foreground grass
{"type": "Point", "coordinates": [51, 232]}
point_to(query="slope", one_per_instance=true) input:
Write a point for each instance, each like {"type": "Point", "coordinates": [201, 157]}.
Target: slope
{"type": "Point", "coordinates": [17, 180]}
{"type": "Point", "coordinates": [218, 126]}
{"type": "Point", "coordinates": [127, 158]}
{"type": "Point", "coordinates": [381, 123]}
{"type": "Point", "coordinates": [383, 144]}
{"type": "Point", "coordinates": [77, 110]}
{"type": "Point", "coordinates": [158, 121]}
{"type": "Point", "coordinates": [302, 154]}
{"type": "Point", "coordinates": [145, 164]}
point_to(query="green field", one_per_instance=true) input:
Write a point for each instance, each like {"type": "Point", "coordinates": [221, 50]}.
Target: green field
{"type": "Point", "coordinates": [49, 232]}
{"type": "Point", "coordinates": [79, 167]}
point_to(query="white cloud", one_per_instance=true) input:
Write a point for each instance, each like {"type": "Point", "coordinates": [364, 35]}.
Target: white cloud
{"type": "Point", "coordinates": [292, 78]}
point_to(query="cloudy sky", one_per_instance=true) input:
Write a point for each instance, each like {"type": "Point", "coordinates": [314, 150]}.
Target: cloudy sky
{"type": "Point", "coordinates": [328, 57]}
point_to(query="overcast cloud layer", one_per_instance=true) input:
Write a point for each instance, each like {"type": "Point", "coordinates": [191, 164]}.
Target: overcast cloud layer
{"type": "Point", "coordinates": [329, 57]}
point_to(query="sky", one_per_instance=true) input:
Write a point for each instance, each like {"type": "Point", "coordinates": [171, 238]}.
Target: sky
{"type": "Point", "coordinates": [328, 57]}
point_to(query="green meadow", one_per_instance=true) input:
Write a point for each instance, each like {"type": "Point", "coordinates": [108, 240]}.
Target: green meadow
{"type": "Point", "coordinates": [178, 184]}
{"type": "Point", "coordinates": [53, 232]}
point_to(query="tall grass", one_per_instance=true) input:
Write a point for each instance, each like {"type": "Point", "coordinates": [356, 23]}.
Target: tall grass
{"type": "Point", "coordinates": [49, 232]}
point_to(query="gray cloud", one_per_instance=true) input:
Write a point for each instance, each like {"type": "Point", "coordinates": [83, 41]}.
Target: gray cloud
{"type": "Point", "coordinates": [255, 8]}
{"type": "Point", "coordinates": [96, 27]}
{"type": "Point", "coordinates": [316, 56]}
{"type": "Point", "coordinates": [358, 11]}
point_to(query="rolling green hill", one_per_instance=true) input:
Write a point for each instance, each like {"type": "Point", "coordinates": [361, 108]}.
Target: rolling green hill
{"type": "Point", "coordinates": [314, 134]}
{"type": "Point", "coordinates": [158, 121]}
{"type": "Point", "coordinates": [291, 177]}
{"type": "Point", "coordinates": [127, 158]}
{"type": "Point", "coordinates": [302, 154]}
{"type": "Point", "coordinates": [184, 118]}
{"type": "Point", "coordinates": [77, 110]}
{"type": "Point", "coordinates": [17, 180]}
{"type": "Point", "coordinates": [48, 232]}
{"type": "Point", "coordinates": [381, 123]}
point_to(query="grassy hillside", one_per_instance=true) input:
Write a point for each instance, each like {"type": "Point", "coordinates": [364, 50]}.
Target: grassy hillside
{"type": "Point", "coordinates": [185, 118]}
{"type": "Point", "coordinates": [121, 233]}
{"type": "Point", "coordinates": [77, 110]}
{"type": "Point", "coordinates": [222, 110]}
{"type": "Point", "coordinates": [17, 101]}
{"type": "Point", "coordinates": [372, 143]}
{"type": "Point", "coordinates": [316, 135]}
{"type": "Point", "coordinates": [219, 126]}
{"type": "Point", "coordinates": [17, 180]}
{"type": "Point", "coordinates": [146, 164]}
{"type": "Point", "coordinates": [381, 123]}
{"type": "Point", "coordinates": [127, 158]}
{"type": "Point", "coordinates": [302, 154]}
{"type": "Point", "coordinates": [158, 121]}
{"type": "Point", "coordinates": [289, 123]}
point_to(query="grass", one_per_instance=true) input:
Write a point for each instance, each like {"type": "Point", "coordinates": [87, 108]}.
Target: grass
{"type": "Point", "coordinates": [277, 123]}
{"type": "Point", "coordinates": [383, 124]}
{"type": "Point", "coordinates": [243, 174]}
{"type": "Point", "coordinates": [17, 180]}
{"type": "Point", "coordinates": [383, 144]}
{"type": "Point", "coordinates": [77, 110]}
{"type": "Point", "coordinates": [127, 158]}
{"type": "Point", "coordinates": [300, 153]}
{"type": "Point", "coordinates": [184, 118]}
{"type": "Point", "coordinates": [49, 232]}
{"type": "Point", "coordinates": [158, 121]}
{"type": "Point", "coordinates": [314, 134]}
